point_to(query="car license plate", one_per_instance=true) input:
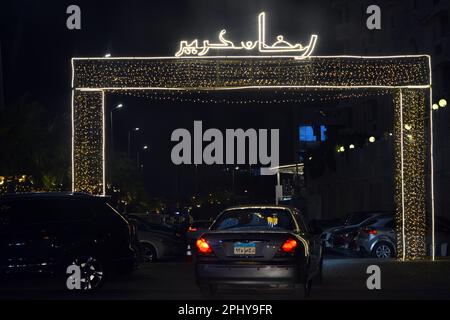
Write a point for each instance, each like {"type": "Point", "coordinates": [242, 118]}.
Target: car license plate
{"type": "Point", "coordinates": [248, 248]}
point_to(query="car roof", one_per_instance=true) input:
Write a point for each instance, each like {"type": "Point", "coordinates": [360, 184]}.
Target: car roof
{"type": "Point", "coordinates": [49, 195]}
{"type": "Point", "coordinates": [262, 206]}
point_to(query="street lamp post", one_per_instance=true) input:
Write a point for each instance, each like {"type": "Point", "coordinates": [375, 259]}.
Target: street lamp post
{"type": "Point", "coordinates": [129, 139]}
{"type": "Point", "coordinates": [118, 107]}
{"type": "Point", "coordinates": [140, 167]}
{"type": "Point", "coordinates": [233, 179]}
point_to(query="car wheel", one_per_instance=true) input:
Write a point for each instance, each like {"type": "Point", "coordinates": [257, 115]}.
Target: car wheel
{"type": "Point", "coordinates": [383, 250]}
{"type": "Point", "coordinates": [208, 289]}
{"type": "Point", "coordinates": [84, 273]}
{"type": "Point", "coordinates": [148, 253]}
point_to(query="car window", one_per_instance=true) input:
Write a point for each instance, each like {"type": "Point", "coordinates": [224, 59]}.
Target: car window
{"type": "Point", "coordinates": [110, 216]}
{"type": "Point", "coordinates": [302, 222]}
{"type": "Point", "coordinates": [369, 222]}
{"type": "Point", "coordinates": [73, 210]}
{"type": "Point", "coordinates": [28, 211]}
{"type": "Point", "coordinates": [45, 210]}
{"type": "Point", "coordinates": [357, 218]}
{"type": "Point", "coordinates": [256, 219]}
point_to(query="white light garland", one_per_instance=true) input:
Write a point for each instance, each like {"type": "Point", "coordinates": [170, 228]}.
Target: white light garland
{"type": "Point", "coordinates": [183, 75]}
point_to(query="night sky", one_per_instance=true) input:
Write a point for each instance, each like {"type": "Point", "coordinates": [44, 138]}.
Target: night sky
{"type": "Point", "coordinates": [37, 48]}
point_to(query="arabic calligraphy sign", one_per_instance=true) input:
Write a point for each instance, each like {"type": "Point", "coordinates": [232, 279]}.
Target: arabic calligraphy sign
{"type": "Point", "coordinates": [193, 48]}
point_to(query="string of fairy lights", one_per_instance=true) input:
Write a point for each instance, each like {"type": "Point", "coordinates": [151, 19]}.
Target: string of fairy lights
{"type": "Point", "coordinates": [257, 96]}
{"type": "Point", "coordinates": [228, 73]}
{"type": "Point", "coordinates": [88, 143]}
{"type": "Point", "coordinates": [410, 157]}
{"type": "Point", "coordinates": [244, 80]}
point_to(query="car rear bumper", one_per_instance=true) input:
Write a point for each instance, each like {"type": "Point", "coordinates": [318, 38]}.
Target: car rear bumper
{"type": "Point", "coordinates": [248, 274]}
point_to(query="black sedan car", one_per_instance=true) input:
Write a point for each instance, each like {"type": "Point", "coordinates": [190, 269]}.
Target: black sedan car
{"type": "Point", "coordinates": [258, 245]}
{"type": "Point", "coordinates": [59, 233]}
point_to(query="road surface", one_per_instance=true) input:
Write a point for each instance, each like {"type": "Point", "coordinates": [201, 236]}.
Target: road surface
{"type": "Point", "coordinates": [344, 278]}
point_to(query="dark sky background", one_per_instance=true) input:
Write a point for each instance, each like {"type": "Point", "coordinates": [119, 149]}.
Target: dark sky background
{"type": "Point", "coordinates": [37, 48]}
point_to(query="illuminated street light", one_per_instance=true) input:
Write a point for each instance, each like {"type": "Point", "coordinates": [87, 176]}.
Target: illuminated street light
{"type": "Point", "coordinates": [435, 106]}
{"type": "Point", "coordinates": [107, 55]}
{"type": "Point", "coordinates": [135, 130]}
{"type": "Point", "coordinates": [442, 103]}
{"type": "Point", "coordinates": [372, 139]}
{"type": "Point", "coordinates": [138, 161]}
{"type": "Point", "coordinates": [352, 146]}
{"type": "Point", "coordinates": [118, 107]}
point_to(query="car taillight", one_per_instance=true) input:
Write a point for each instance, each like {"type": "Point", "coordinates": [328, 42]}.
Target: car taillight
{"type": "Point", "coordinates": [192, 229]}
{"type": "Point", "coordinates": [289, 245]}
{"type": "Point", "coordinates": [370, 230]}
{"type": "Point", "coordinates": [203, 246]}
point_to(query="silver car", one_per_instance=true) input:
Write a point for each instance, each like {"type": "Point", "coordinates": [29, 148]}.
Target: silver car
{"type": "Point", "coordinates": [332, 237]}
{"type": "Point", "coordinates": [377, 237]}
{"type": "Point", "coordinates": [258, 245]}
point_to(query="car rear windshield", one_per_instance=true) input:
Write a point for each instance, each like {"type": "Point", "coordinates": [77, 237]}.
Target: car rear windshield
{"type": "Point", "coordinates": [357, 218]}
{"type": "Point", "coordinates": [254, 219]}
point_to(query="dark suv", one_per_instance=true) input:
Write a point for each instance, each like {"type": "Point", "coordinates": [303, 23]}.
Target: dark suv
{"type": "Point", "coordinates": [48, 232]}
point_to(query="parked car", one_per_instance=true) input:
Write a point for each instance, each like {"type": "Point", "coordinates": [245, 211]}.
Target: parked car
{"type": "Point", "coordinates": [258, 245]}
{"type": "Point", "coordinates": [158, 241]}
{"type": "Point", "coordinates": [377, 237]}
{"type": "Point", "coordinates": [48, 232]}
{"type": "Point", "coordinates": [320, 225]}
{"type": "Point", "coordinates": [343, 236]}
{"type": "Point", "coordinates": [196, 229]}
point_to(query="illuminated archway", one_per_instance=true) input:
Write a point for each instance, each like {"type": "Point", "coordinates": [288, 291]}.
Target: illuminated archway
{"type": "Point", "coordinates": [406, 78]}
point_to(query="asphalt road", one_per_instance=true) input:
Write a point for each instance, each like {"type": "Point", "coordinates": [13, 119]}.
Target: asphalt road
{"type": "Point", "coordinates": [344, 278]}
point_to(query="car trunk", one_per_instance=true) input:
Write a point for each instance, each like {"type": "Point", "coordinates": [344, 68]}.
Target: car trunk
{"type": "Point", "coordinates": [245, 246]}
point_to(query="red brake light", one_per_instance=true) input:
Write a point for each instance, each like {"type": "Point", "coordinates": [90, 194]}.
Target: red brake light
{"type": "Point", "coordinates": [203, 246]}
{"type": "Point", "coordinates": [370, 230]}
{"type": "Point", "coordinates": [192, 229]}
{"type": "Point", "coordinates": [289, 245]}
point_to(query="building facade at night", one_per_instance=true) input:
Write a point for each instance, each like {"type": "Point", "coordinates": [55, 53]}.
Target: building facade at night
{"type": "Point", "coordinates": [423, 29]}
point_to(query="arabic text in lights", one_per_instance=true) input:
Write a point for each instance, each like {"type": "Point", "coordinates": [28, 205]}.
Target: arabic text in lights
{"type": "Point", "coordinates": [197, 48]}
